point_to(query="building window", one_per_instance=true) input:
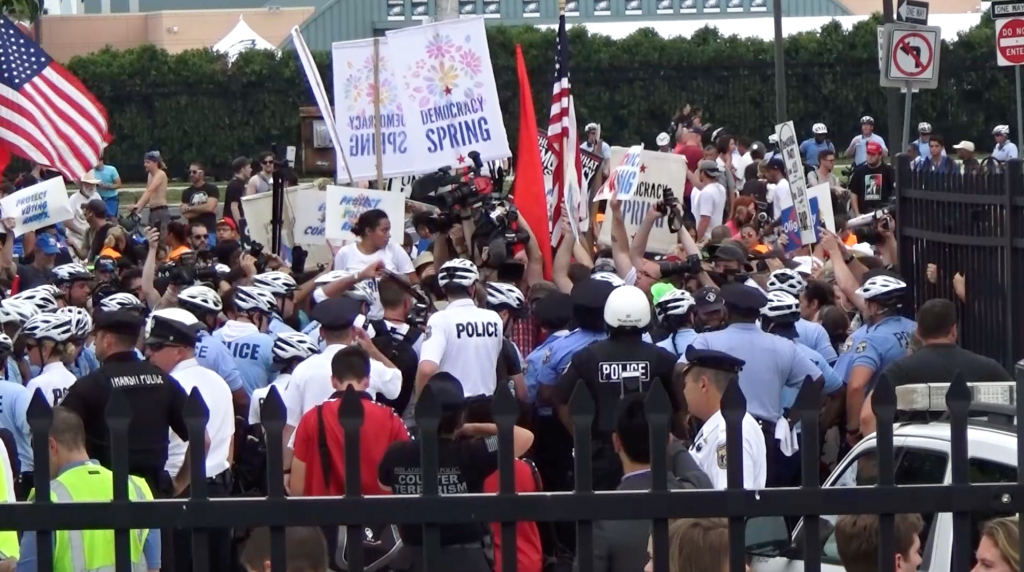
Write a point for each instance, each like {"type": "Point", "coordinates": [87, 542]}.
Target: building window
{"type": "Point", "coordinates": [396, 9]}
{"type": "Point", "coordinates": [531, 8]}
{"type": "Point", "coordinates": [420, 9]}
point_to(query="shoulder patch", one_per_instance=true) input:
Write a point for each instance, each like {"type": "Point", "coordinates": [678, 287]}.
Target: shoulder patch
{"type": "Point", "coordinates": [547, 357]}
{"type": "Point", "coordinates": [426, 333]}
{"type": "Point", "coordinates": [861, 347]}
{"type": "Point", "coordinates": [720, 453]}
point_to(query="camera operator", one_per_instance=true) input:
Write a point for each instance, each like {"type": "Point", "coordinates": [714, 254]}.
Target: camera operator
{"type": "Point", "coordinates": [872, 183]}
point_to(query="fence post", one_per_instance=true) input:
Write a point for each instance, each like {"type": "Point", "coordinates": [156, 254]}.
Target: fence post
{"type": "Point", "coordinates": [350, 417]}
{"type": "Point", "coordinates": [428, 419]}
{"type": "Point", "coordinates": [197, 414]}
{"type": "Point", "coordinates": [119, 415]}
{"type": "Point", "coordinates": [582, 409]}
{"type": "Point", "coordinates": [734, 407]}
{"type": "Point", "coordinates": [1013, 189]}
{"type": "Point", "coordinates": [40, 418]}
{"type": "Point", "coordinates": [272, 417]}
{"type": "Point", "coordinates": [883, 404]}
{"type": "Point", "coordinates": [658, 410]}
{"type": "Point", "coordinates": [958, 402]}
{"type": "Point", "coordinates": [505, 411]}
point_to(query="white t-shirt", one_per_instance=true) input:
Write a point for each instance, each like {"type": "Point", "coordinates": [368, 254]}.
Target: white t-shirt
{"type": "Point", "coordinates": [259, 395]}
{"type": "Point", "coordinates": [77, 201]}
{"type": "Point", "coordinates": [350, 259]}
{"type": "Point", "coordinates": [465, 341]}
{"type": "Point", "coordinates": [311, 382]}
{"type": "Point", "coordinates": [710, 203]}
{"type": "Point", "coordinates": [220, 426]}
{"type": "Point", "coordinates": [54, 380]}
{"type": "Point", "coordinates": [782, 197]}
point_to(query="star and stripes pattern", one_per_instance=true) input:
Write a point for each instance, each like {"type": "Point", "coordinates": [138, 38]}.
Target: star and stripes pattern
{"type": "Point", "coordinates": [46, 114]}
{"type": "Point", "coordinates": [562, 137]}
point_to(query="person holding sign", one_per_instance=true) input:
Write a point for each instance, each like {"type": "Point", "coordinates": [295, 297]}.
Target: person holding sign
{"type": "Point", "coordinates": [31, 275]}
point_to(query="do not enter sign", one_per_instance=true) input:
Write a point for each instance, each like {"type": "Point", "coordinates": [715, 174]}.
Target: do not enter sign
{"type": "Point", "coordinates": [1010, 42]}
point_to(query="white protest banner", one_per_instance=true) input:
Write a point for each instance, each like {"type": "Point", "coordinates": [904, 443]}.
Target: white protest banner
{"type": "Point", "coordinates": [345, 204]}
{"type": "Point", "coordinates": [354, 94]}
{"type": "Point", "coordinates": [789, 146]}
{"type": "Point", "coordinates": [657, 172]}
{"type": "Point", "coordinates": [820, 202]}
{"type": "Point", "coordinates": [258, 210]}
{"type": "Point", "coordinates": [42, 204]}
{"type": "Point", "coordinates": [625, 178]}
{"type": "Point", "coordinates": [449, 96]}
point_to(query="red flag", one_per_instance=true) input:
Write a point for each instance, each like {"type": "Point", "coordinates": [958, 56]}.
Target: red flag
{"type": "Point", "coordinates": [5, 157]}
{"type": "Point", "coordinates": [529, 196]}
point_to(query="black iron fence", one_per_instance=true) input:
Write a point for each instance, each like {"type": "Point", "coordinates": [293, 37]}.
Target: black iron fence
{"type": "Point", "coordinates": [972, 225]}
{"type": "Point", "coordinates": [584, 506]}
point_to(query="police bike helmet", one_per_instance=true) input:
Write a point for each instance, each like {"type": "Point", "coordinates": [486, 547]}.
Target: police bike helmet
{"type": "Point", "coordinates": [8, 316]}
{"type": "Point", "coordinates": [883, 289]}
{"type": "Point", "coordinates": [53, 326]}
{"type": "Point", "coordinates": [504, 297]}
{"type": "Point", "coordinates": [819, 129]}
{"type": "Point", "coordinates": [458, 271]}
{"type": "Point", "coordinates": [290, 346]}
{"type": "Point", "coordinates": [781, 307]}
{"type": "Point", "coordinates": [200, 300]}
{"type": "Point", "coordinates": [6, 344]}
{"type": "Point", "coordinates": [609, 277]}
{"type": "Point", "coordinates": [42, 297]}
{"type": "Point", "coordinates": [332, 276]}
{"type": "Point", "coordinates": [81, 321]}
{"type": "Point", "coordinates": [1001, 130]}
{"type": "Point", "coordinates": [250, 299]}
{"type": "Point", "coordinates": [786, 280]}
{"type": "Point", "coordinates": [675, 303]}
{"type": "Point", "coordinates": [276, 282]}
{"type": "Point", "coordinates": [121, 301]}
{"type": "Point", "coordinates": [924, 128]}
{"type": "Point", "coordinates": [68, 273]}
{"type": "Point", "coordinates": [21, 309]}
{"type": "Point", "coordinates": [362, 291]}
{"type": "Point", "coordinates": [627, 307]}
{"type": "Point", "coordinates": [867, 120]}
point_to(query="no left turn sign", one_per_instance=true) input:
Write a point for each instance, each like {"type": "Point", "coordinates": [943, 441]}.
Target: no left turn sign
{"type": "Point", "coordinates": [912, 57]}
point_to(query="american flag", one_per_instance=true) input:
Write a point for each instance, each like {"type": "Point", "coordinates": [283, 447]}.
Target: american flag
{"type": "Point", "coordinates": [46, 114]}
{"type": "Point", "coordinates": [562, 137]}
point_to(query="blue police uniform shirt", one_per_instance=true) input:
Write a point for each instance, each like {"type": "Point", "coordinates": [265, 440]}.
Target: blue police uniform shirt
{"type": "Point", "coordinates": [277, 326]}
{"type": "Point", "coordinates": [252, 351]}
{"type": "Point", "coordinates": [810, 149]}
{"type": "Point", "coordinates": [814, 336]}
{"type": "Point", "coordinates": [1005, 152]}
{"type": "Point", "coordinates": [12, 373]}
{"type": "Point", "coordinates": [559, 354]}
{"type": "Point", "coordinates": [14, 401]}
{"type": "Point", "coordinates": [679, 341]}
{"type": "Point", "coordinates": [85, 363]}
{"type": "Point", "coordinates": [860, 150]}
{"type": "Point", "coordinates": [214, 355]}
{"type": "Point", "coordinates": [773, 362]}
{"type": "Point", "coordinates": [532, 366]}
{"type": "Point", "coordinates": [832, 381]}
{"type": "Point", "coordinates": [876, 346]}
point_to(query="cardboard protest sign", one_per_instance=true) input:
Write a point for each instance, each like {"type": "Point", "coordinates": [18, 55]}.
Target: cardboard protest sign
{"type": "Point", "coordinates": [789, 147]}
{"type": "Point", "coordinates": [258, 210]}
{"type": "Point", "coordinates": [820, 203]}
{"type": "Point", "coordinates": [654, 174]}
{"type": "Point", "coordinates": [448, 95]}
{"type": "Point", "coordinates": [42, 204]}
{"type": "Point", "coordinates": [345, 204]}
{"type": "Point", "coordinates": [354, 95]}
{"type": "Point", "coordinates": [625, 177]}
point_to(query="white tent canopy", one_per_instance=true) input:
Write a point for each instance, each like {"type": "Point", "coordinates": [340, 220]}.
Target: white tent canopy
{"type": "Point", "coordinates": [240, 39]}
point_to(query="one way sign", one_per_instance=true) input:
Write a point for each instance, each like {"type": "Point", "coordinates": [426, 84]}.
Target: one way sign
{"type": "Point", "coordinates": [912, 12]}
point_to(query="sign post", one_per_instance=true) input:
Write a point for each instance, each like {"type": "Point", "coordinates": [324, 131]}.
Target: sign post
{"type": "Point", "coordinates": [1010, 46]}
{"type": "Point", "coordinates": [912, 61]}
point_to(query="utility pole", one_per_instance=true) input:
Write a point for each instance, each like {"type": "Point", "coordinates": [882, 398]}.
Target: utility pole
{"type": "Point", "coordinates": [892, 99]}
{"type": "Point", "coordinates": [780, 65]}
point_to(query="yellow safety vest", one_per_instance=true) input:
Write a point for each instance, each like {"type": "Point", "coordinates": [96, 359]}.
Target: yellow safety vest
{"type": "Point", "coordinates": [8, 538]}
{"type": "Point", "coordinates": [93, 550]}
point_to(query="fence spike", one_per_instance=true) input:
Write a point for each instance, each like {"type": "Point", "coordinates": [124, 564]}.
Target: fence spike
{"type": "Point", "coordinates": [351, 414]}
{"type": "Point", "coordinates": [119, 411]}
{"type": "Point", "coordinates": [883, 399]}
{"type": "Point", "coordinates": [958, 396]}
{"type": "Point", "coordinates": [808, 399]}
{"type": "Point", "coordinates": [581, 404]}
{"type": "Point", "coordinates": [504, 407]}
{"type": "Point", "coordinates": [39, 411]}
{"type": "Point", "coordinates": [428, 411]}
{"type": "Point", "coordinates": [734, 403]}
{"type": "Point", "coordinates": [272, 410]}
{"type": "Point", "coordinates": [196, 411]}
{"type": "Point", "coordinates": [657, 406]}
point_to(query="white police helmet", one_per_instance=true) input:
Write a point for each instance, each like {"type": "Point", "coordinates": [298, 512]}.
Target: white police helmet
{"type": "Point", "coordinates": [674, 303]}
{"type": "Point", "coordinates": [819, 129]}
{"type": "Point", "coordinates": [786, 280]}
{"type": "Point", "coordinates": [1001, 130]}
{"type": "Point", "coordinates": [881, 288]}
{"type": "Point", "coordinates": [662, 139]}
{"type": "Point", "coordinates": [780, 304]}
{"type": "Point", "coordinates": [627, 307]}
{"type": "Point", "coordinates": [458, 271]}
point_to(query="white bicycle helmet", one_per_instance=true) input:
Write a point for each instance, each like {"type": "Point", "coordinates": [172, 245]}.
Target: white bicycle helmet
{"type": "Point", "coordinates": [609, 277]}
{"type": "Point", "coordinates": [924, 127]}
{"type": "Point", "coordinates": [627, 307]}
{"type": "Point", "coordinates": [120, 301]}
{"type": "Point", "coordinates": [250, 299]}
{"type": "Point", "coordinates": [6, 345]}
{"type": "Point", "coordinates": [332, 276]}
{"type": "Point", "coordinates": [867, 120]}
{"type": "Point", "coordinates": [882, 287]}
{"type": "Point", "coordinates": [786, 280]}
{"type": "Point", "coordinates": [20, 309]}
{"type": "Point", "coordinates": [275, 282]}
{"type": "Point", "coordinates": [362, 291]}
{"type": "Point", "coordinates": [293, 345]}
{"type": "Point", "coordinates": [1001, 130]}
{"type": "Point", "coordinates": [504, 296]}
{"type": "Point", "coordinates": [222, 269]}
{"type": "Point", "coordinates": [780, 303]}
{"type": "Point", "coordinates": [7, 316]}
{"type": "Point", "coordinates": [201, 299]}
{"type": "Point", "coordinates": [458, 271]}
{"type": "Point", "coordinates": [67, 273]}
{"type": "Point", "coordinates": [819, 129]}
{"type": "Point", "coordinates": [81, 321]}
{"type": "Point", "coordinates": [674, 303]}
{"type": "Point", "coordinates": [41, 297]}
{"type": "Point", "coordinates": [53, 326]}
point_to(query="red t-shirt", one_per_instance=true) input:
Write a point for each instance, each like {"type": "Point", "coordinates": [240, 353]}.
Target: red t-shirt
{"type": "Point", "coordinates": [381, 427]}
{"type": "Point", "coordinates": [694, 154]}
{"type": "Point", "coordinates": [531, 557]}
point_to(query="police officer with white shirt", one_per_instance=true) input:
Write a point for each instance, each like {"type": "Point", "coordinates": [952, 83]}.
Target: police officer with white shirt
{"type": "Point", "coordinates": [170, 345]}
{"type": "Point", "coordinates": [706, 376]}
{"type": "Point", "coordinates": [462, 339]}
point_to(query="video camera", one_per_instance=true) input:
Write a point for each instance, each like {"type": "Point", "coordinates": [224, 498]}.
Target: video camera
{"type": "Point", "coordinates": [867, 227]}
{"type": "Point", "coordinates": [188, 270]}
{"type": "Point", "coordinates": [689, 267]}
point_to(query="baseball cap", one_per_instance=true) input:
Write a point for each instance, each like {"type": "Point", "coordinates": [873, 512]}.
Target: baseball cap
{"type": "Point", "coordinates": [662, 139]}
{"type": "Point", "coordinates": [97, 207]}
{"type": "Point", "coordinates": [229, 222]}
{"type": "Point", "coordinates": [708, 166]}
{"type": "Point", "coordinates": [708, 299]}
{"type": "Point", "coordinates": [776, 163]}
{"type": "Point", "coordinates": [153, 156]}
{"type": "Point", "coordinates": [729, 252]}
{"type": "Point", "coordinates": [966, 145]}
{"type": "Point", "coordinates": [873, 148]}
{"type": "Point", "coordinates": [47, 244]}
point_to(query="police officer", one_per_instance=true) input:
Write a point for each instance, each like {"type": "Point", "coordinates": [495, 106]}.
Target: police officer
{"type": "Point", "coordinates": [811, 334]}
{"type": "Point", "coordinates": [706, 376]}
{"type": "Point", "coordinates": [774, 362]}
{"type": "Point", "coordinates": [14, 402]}
{"type": "Point", "coordinates": [282, 286]}
{"type": "Point", "coordinates": [462, 339]}
{"type": "Point", "coordinates": [464, 463]}
{"type": "Point", "coordinates": [205, 304]}
{"type": "Point", "coordinates": [249, 311]}
{"type": "Point", "coordinates": [79, 478]}
{"type": "Point", "coordinates": [621, 365]}
{"type": "Point", "coordinates": [675, 310]}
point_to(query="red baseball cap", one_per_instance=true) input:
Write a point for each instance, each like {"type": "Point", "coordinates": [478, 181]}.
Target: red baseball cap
{"type": "Point", "coordinates": [874, 148]}
{"type": "Point", "coordinates": [227, 221]}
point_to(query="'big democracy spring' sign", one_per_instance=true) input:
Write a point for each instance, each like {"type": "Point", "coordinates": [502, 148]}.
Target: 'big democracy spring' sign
{"type": "Point", "coordinates": [42, 204]}
{"type": "Point", "coordinates": [345, 204]}
{"type": "Point", "coordinates": [448, 96]}
{"type": "Point", "coordinates": [354, 96]}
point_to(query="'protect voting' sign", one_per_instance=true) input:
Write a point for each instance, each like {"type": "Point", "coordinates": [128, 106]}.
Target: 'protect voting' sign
{"type": "Point", "coordinates": [345, 204]}
{"type": "Point", "coordinates": [40, 205]}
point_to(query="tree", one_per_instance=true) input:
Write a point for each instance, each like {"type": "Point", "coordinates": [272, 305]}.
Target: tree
{"type": "Point", "coordinates": [23, 10]}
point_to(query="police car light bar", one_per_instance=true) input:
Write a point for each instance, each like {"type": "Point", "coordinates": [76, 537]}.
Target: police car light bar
{"type": "Point", "coordinates": [932, 396]}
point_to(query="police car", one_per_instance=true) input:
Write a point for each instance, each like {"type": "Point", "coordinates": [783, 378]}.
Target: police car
{"type": "Point", "coordinates": [922, 457]}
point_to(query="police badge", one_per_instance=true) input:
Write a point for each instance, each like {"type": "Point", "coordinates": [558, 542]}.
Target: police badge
{"type": "Point", "coordinates": [426, 333]}
{"type": "Point", "coordinates": [547, 357]}
{"type": "Point", "coordinates": [720, 453]}
{"type": "Point", "coordinates": [861, 347]}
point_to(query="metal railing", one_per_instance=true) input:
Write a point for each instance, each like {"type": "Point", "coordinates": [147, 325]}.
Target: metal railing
{"type": "Point", "coordinates": [584, 506]}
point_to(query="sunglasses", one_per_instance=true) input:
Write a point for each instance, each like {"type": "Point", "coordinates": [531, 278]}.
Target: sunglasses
{"type": "Point", "coordinates": [198, 236]}
{"type": "Point", "coordinates": [269, 162]}
{"type": "Point", "coordinates": [194, 172]}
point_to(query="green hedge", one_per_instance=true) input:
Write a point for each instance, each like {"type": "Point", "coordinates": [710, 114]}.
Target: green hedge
{"type": "Point", "coordinates": [194, 106]}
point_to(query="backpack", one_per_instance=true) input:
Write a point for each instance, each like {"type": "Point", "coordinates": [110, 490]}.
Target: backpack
{"type": "Point", "coordinates": [398, 349]}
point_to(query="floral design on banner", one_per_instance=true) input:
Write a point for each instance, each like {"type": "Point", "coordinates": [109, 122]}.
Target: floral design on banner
{"type": "Point", "coordinates": [359, 90]}
{"type": "Point", "coordinates": [448, 68]}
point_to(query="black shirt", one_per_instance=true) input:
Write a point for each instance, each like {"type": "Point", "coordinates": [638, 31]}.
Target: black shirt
{"type": "Point", "coordinates": [872, 185]}
{"type": "Point", "coordinates": [195, 196]}
{"type": "Point", "coordinates": [463, 465]}
{"type": "Point", "coordinates": [157, 403]}
{"type": "Point", "coordinates": [937, 363]}
{"type": "Point", "coordinates": [98, 239]}
{"type": "Point", "coordinates": [32, 277]}
{"type": "Point", "coordinates": [233, 195]}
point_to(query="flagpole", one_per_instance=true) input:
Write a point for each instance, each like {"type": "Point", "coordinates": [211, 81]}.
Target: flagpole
{"type": "Point", "coordinates": [376, 114]}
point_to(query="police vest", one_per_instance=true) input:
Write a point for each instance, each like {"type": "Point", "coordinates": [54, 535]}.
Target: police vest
{"type": "Point", "coordinates": [8, 538]}
{"type": "Point", "coordinates": [93, 550]}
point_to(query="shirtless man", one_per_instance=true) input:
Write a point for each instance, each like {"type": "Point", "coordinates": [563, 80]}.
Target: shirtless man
{"type": "Point", "coordinates": [155, 195]}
